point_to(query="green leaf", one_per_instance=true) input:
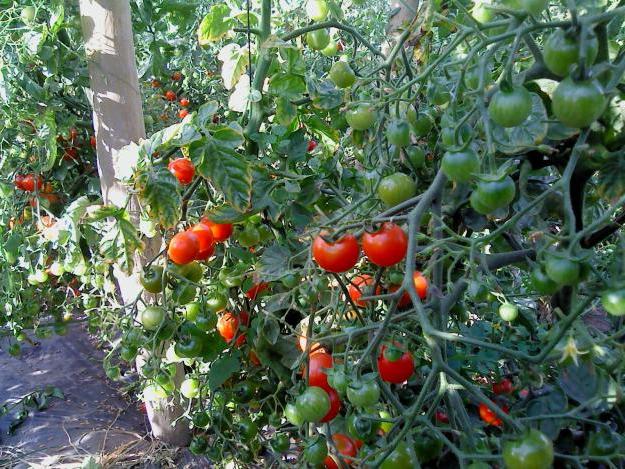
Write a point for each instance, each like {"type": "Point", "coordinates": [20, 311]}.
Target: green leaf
{"type": "Point", "coordinates": [222, 369]}
{"type": "Point", "coordinates": [226, 169]}
{"type": "Point", "coordinates": [226, 214]}
{"type": "Point", "coordinates": [286, 111]}
{"type": "Point", "coordinates": [579, 382]}
{"type": "Point", "coordinates": [215, 24]}
{"type": "Point", "coordinates": [205, 113]}
{"type": "Point", "coordinates": [271, 329]}
{"type": "Point", "coordinates": [235, 61]}
{"type": "Point", "coordinates": [56, 18]}
{"type": "Point", "coordinates": [324, 95]}
{"type": "Point", "coordinates": [274, 263]}
{"type": "Point", "coordinates": [104, 212]}
{"type": "Point", "coordinates": [46, 136]}
{"type": "Point", "coordinates": [287, 85]}
{"type": "Point", "coordinates": [230, 136]}
{"type": "Point", "coordinates": [554, 402]}
{"type": "Point", "coordinates": [158, 190]}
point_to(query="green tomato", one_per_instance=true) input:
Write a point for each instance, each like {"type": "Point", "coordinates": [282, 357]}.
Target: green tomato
{"type": "Point", "coordinates": [602, 443]}
{"type": "Point", "coordinates": [318, 39]}
{"type": "Point", "coordinates": [338, 380]}
{"type": "Point", "coordinates": [396, 188]}
{"type": "Point", "coordinates": [317, 10]}
{"type": "Point", "coordinates": [459, 166]}
{"type": "Point", "coordinates": [198, 445]}
{"type": "Point", "coordinates": [200, 419]}
{"type": "Point", "coordinates": [280, 443]}
{"type": "Point", "coordinates": [361, 426]}
{"type": "Point", "coordinates": [315, 451]}
{"type": "Point", "coordinates": [247, 429]}
{"type": "Point", "coordinates": [361, 117]}
{"type": "Point", "coordinates": [481, 13]}
{"type": "Point", "coordinates": [562, 271]}
{"type": "Point", "coordinates": [385, 426]}
{"type": "Point", "coordinates": [331, 49]}
{"type": "Point", "coordinates": [206, 320]}
{"type": "Point", "coordinates": [614, 302]}
{"type": "Point", "coordinates": [561, 51]}
{"type": "Point", "coordinates": [510, 108]}
{"type": "Point", "coordinates": [191, 311]}
{"type": "Point", "coordinates": [400, 458]}
{"type": "Point", "coordinates": [152, 317]}
{"type": "Point", "coordinates": [398, 133]}
{"type": "Point", "coordinates": [292, 415]}
{"type": "Point", "coordinates": [190, 341]}
{"type": "Point", "coordinates": [193, 271]}
{"type": "Point", "coordinates": [216, 301]}
{"type": "Point", "coordinates": [128, 352]}
{"type": "Point", "coordinates": [578, 103]}
{"type": "Point", "coordinates": [508, 311]}
{"type": "Point", "coordinates": [363, 393]}
{"type": "Point", "coordinates": [421, 123]}
{"type": "Point", "coordinates": [244, 392]}
{"type": "Point", "coordinates": [533, 7]}
{"type": "Point", "coordinates": [28, 14]}
{"type": "Point", "coordinates": [532, 451]}
{"type": "Point", "coordinates": [152, 279]}
{"type": "Point", "coordinates": [290, 281]}
{"type": "Point", "coordinates": [542, 283]}
{"type": "Point", "coordinates": [427, 447]}
{"type": "Point", "coordinates": [491, 195]}
{"type": "Point", "coordinates": [190, 388]}
{"type": "Point", "coordinates": [448, 136]}
{"type": "Point", "coordinates": [416, 156]}
{"type": "Point", "coordinates": [313, 404]}
{"type": "Point", "coordinates": [342, 75]}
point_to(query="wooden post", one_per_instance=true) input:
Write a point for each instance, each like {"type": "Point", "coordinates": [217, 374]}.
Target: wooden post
{"type": "Point", "coordinates": [118, 121]}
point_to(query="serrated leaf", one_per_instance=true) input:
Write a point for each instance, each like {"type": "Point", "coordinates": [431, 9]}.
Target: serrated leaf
{"type": "Point", "coordinates": [271, 330]}
{"type": "Point", "coordinates": [230, 135]}
{"type": "Point", "coordinates": [287, 85]}
{"type": "Point", "coordinates": [324, 94]}
{"type": "Point", "coordinates": [286, 111]}
{"type": "Point", "coordinates": [158, 190]}
{"type": "Point", "coordinates": [205, 113]}
{"type": "Point", "coordinates": [554, 402]}
{"type": "Point", "coordinates": [274, 263]}
{"type": "Point", "coordinates": [579, 382]}
{"type": "Point", "coordinates": [46, 136]}
{"type": "Point", "coordinates": [530, 133]}
{"type": "Point", "coordinates": [215, 24]}
{"type": "Point", "coordinates": [222, 369]}
{"type": "Point", "coordinates": [226, 214]}
{"type": "Point", "coordinates": [104, 212]}
{"type": "Point", "coordinates": [228, 171]}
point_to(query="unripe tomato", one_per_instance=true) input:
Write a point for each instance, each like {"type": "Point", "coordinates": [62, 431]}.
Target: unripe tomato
{"type": "Point", "coordinates": [387, 246]}
{"type": "Point", "coordinates": [318, 39]}
{"type": "Point", "coordinates": [183, 169]}
{"type": "Point", "coordinates": [313, 404]}
{"type": "Point", "coordinates": [398, 133]}
{"type": "Point", "coordinates": [614, 301]}
{"type": "Point", "coordinates": [292, 415]}
{"type": "Point", "coordinates": [152, 317]}
{"type": "Point", "coordinates": [396, 188]}
{"type": "Point", "coordinates": [342, 75]}
{"type": "Point", "coordinates": [363, 393]}
{"type": "Point", "coordinates": [190, 388]}
{"type": "Point", "coordinates": [459, 166]}
{"type": "Point", "coordinates": [221, 231]}
{"type": "Point", "coordinates": [317, 10]}
{"type": "Point", "coordinates": [562, 270]}
{"type": "Point", "coordinates": [541, 281]}
{"type": "Point", "coordinates": [510, 107]}
{"type": "Point", "coordinates": [561, 50]}
{"type": "Point", "coordinates": [395, 366]}
{"type": "Point", "coordinates": [338, 256]}
{"type": "Point", "coordinates": [359, 286]}
{"type": "Point", "coordinates": [399, 458]}
{"type": "Point", "coordinates": [316, 450]}
{"type": "Point", "coordinates": [183, 247]}
{"type": "Point", "coordinates": [578, 103]}
{"type": "Point", "coordinates": [416, 156]}
{"type": "Point", "coordinates": [205, 239]}
{"type": "Point", "coordinates": [533, 450]}
{"type": "Point", "coordinates": [491, 195]}
{"type": "Point", "coordinates": [170, 95]}
{"type": "Point", "coordinates": [28, 14]}
{"type": "Point", "coordinates": [152, 279]}
{"type": "Point", "coordinates": [183, 113]}
{"type": "Point", "coordinates": [508, 311]}
{"type": "Point", "coordinates": [331, 49]}
{"type": "Point", "coordinates": [602, 443]}
{"type": "Point", "coordinates": [361, 117]}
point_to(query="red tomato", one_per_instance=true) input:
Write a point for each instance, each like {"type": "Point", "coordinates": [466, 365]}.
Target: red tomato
{"type": "Point", "coordinates": [183, 113]}
{"type": "Point", "coordinates": [170, 95]}
{"type": "Point", "coordinates": [490, 417]}
{"type": "Point", "coordinates": [346, 447]}
{"type": "Point", "coordinates": [387, 246]}
{"type": "Point", "coordinates": [339, 46]}
{"type": "Point", "coordinates": [92, 141]}
{"type": "Point", "coordinates": [316, 347]}
{"type": "Point", "coordinates": [183, 247]}
{"type": "Point", "coordinates": [221, 231]}
{"type": "Point", "coordinates": [311, 146]}
{"type": "Point", "coordinates": [254, 358]}
{"type": "Point", "coordinates": [207, 243]}
{"type": "Point", "coordinates": [330, 463]}
{"type": "Point", "coordinates": [73, 134]}
{"type": "Point", "coordinates": [216, 119]}
{"type": "Point", "coordinates": [441, 417]}
{"type": "Point", "coordinates": [156, 83]}
{"type": "Point", "coordinates": [30, 182]}
{"type": "Point", "coordinates": [338, 256]}
{"type": "Point", "coordinates": [19, 181]}
{"type": "Point", "coordinates": [335, 405]}
{"type": "Point", "coordinates": [503, 387]}
{"type": "Point", "coordinates": [420, 284]}
{"type": "Point", "coordinates": [395, 371]}
{"type": "Point", "coordinates": [359, 285]}
{"type": "Point", "coordinates": [228, 325]}
{"type": "Point", "coordinates": [318, 364]}
{"type": "Point", "coordinates": [184, 102]}
{"type": "Point", "coordinates": [176, 76]}
{"type": "Point", "coordinates": [256, 290]}
{"type": "Point", "coordinates": [183, 169]}
{"type": "Point", "coordinates": [71, 154]}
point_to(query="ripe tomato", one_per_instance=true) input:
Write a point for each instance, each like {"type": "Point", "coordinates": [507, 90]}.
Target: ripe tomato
{"type": "Point", "coordinates": [459, 166]}
{"type": "Point", "coordinates": [228, 325]}
{"type": "Point", "coordinates": [396, 188]}
{"type": "Point", "coordinates": [221, 231]}
{"type": "Point", "coordinates": [359, 285]}
{"type": "Point", "coordinates": [184, 247]}
{"type": "Point", "coordinates": [361, 117]}
{"type": "Point", "coordinates": [387, 246]}
{"type": "Point", "coordinates": [18, 181]}
{"type": "Point", "coordinates": [318, 366]}
{"type": "Point", "coordinates": [490, 417]}
{"type": "Point", "coordinates": [182, 169]}
{"type": "Point", "coordinates": [205, 238]}
{"type": "Point", "coordinates": [311, 146]}
{"type": "Point", "coordinates": [613, 302]}
{"type": "Point", "coordinates": [92, 141]}
{"type": "Point", "coordinates": [330, 462]}
{"type": "Point", "coordinates": [30, 183]}
{"type": "Point", "coordinates": [338, 256]}
{"type": "Point", "coordinates": [170, 95]}
{"type": "Point", "coordinates": [318, 39]}
{"type": "Point", "coordinates": [532, 450]}
{"type": "Point", "coordinates": [395, 366]}
{"type": "Point", "coordinates": [398, 133]}
{"type": "Point", "coordinates": [254, 360]}
{"type": "Point", "coordinates": [441, 417]}
{"type": "Point", "coordinates": [510, 107]}
{"type": "Point", "coordinates": [335, 405]}
{"type": "Point", "coordinates": [183, 113]}
{"type": "Point", "coordinates": [176, 76]}
{"type": "Point", "coordinates": [578, 103]}
{"type": "Point", "coordinates": [71, 154]}
{"type": "Point", "coordinates": [256, 290]}
{"type": "Point", "coordinates": [184, 102]}
{"type": "Point", "coordinates": [313, 404]}
{"type": "Point", "coordinates": [342, 75]}
{"type": "Point", "coordinates": [346, 447]}
{"type": "Point", "coordinates": [155, 83]}
{"type": "Point", "coordinates": [561, 50]}
{"type": "Point", "coordinates": [503, 387]}
{"type": "Point", "coordinates": [420, 284]}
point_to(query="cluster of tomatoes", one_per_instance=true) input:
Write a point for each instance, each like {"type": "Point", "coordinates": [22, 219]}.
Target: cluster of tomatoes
{"type": "Point", "coordinates": [171, 96]}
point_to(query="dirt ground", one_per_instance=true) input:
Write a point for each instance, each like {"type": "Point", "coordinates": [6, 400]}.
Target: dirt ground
{"type": "Point", "coordinates": [93, 420]}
